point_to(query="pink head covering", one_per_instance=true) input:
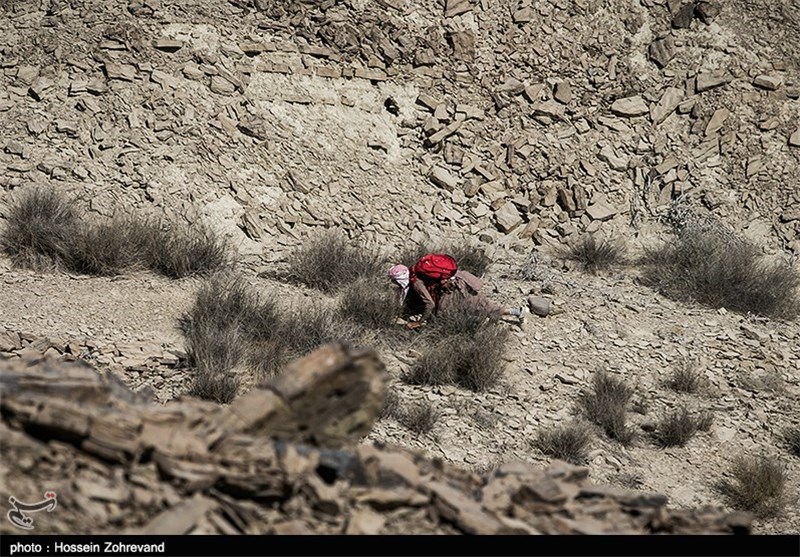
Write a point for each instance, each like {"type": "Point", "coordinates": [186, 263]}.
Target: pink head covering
{"type": "Point", "coordinates": [400, 274]}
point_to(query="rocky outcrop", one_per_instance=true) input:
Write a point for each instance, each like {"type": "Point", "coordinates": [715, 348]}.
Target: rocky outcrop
{"type": "Point", "coordinates": [283, 458]}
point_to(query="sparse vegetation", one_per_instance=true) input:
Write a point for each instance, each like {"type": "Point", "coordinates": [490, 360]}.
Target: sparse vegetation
{"type": "Point", "coordinates": [685, 377]}
{"type": "Point", "coordinates": [568, 442]}
{"type": "Point", "coordinates": [420, 417]}
{"type": "Point", "coordinates": [369, 304]}
{"type": "Point", "coordinates": [40, 229]}
{"type": "Point", "coordinates": [177, 250]}
{"type": "Point", "coordinates": [757, 485]}
{"type": "Point", "coordinates": [391, 405]}
{"type": "Point", "coordinates": [330, 261]}
{"type": "Point", "coordinates": [791, 438]}
{"type": "Point", "coordinates": [469, 256]}
{"type": "Point", "coordinates": [700, 267]}
{"type": "Point", "coordinates": [676, 428]}
{"type": "Point", "coordinates": [463, 346]}
{"type": "Point", "coordinates": [105, 248]}
{"type": "Point", "coordinates": [45, 231]}
{"type": "Point", "coordinates": [594, 255]}
{"type": "Point", "coordinates": [606, 405]}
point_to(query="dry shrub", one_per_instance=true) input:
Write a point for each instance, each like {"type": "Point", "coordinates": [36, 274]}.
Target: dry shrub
{"type": "Point", "coordinates": [105, 248]}
{"type": "Point", "coordinates": [701, 267]}
{"type": "Point", "coordinates": [178, 250]}
{"type": "Point", "coordinates": [40, 229]}
{"type": "Point", "coordinates": [568, 442]}
{"type": "Point", "coordinates": [473, 362]}
{"type": "Point", "coordinates": [369, 304]}
{"type": "Point", "coordinates": [757, 485]}
{"type": "Point", "coordinates": [420, 417]}
{"type": "Point", "coordinates": [791, 439]}
{"type": "Point", "coordinates": [391, 405]}
{"type": "Point", "coordinates": [593, 255]}
{"type": "Point", "coordinates": [686, 377]}
{"type": "Point", "coordinates": [676, 428]}
{"type": "Point", "coordinates": [606, 405]}
{"type": "Point", "coordinates": [330, 261]}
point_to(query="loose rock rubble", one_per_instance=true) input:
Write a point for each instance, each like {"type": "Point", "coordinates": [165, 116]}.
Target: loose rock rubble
{"type": "Point", "coordinates": [281, 459]}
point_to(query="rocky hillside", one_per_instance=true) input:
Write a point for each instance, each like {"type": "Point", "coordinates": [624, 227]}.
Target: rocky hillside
{"type": "Point", "coordinates": [520, 125]}
{"type": "Point", "coordinates": [129, 466]}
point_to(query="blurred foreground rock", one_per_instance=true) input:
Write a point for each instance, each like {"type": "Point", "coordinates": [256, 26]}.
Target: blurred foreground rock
{"type": "Point", "coordinates": [283, 458]}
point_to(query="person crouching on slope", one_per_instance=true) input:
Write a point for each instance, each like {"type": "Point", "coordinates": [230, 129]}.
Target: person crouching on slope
{"type": "Point", "coordinates": [434, 283]}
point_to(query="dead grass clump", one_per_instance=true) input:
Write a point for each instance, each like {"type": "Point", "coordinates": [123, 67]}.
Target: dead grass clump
{"type": "Point", "coordinates": [214, 354]}
{"type": "Point", "coordinates": [391, 405]}
{"type": "Point", "coordinates": [700, 267]}
{"type": "Point", "coordinates": [676, 428]}
{"type": "Point", "coordinates": [104, 248]}
{"type": "Point", "coordinates": [791, 438]}
{"type": "Point", "coordinates": [420, 418]}
{"type": "Point", "coordinates": [606, 405]}
{"type": "Point", "coordinates": [593, 255]}
{"type": "Point", "coordinates": [40, 229]}
{"type": "Point", "coordinates": [178, 250]}
{"type": "Point", "coordinates": [686, 377]}
{"type": "Point", "coordinates": [470, 360]}
{"type": "Point", "coordinates": [368, 304]}
{"type": "Point", "coordinates": [568, 442]}
{"type": "Point", "coordinates": [330, 261]}
{"type": "Point", "coordinates": [757, 485]}
{"type": "Point", "coordinates": [226, 326]}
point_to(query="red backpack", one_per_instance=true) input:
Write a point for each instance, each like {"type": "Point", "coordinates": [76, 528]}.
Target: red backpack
{"type": "Point", "coordinates": [433, 268]}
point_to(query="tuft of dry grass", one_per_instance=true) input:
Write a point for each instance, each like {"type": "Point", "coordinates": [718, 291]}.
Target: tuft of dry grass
{"type": "Point", "coordinates": [701, 267]}
{"type": "Point", "coordinates": [594, 255]}
{"type": "Point", "coordinates": [420, 418]}
{"type": "Point", "coordinates": [369, 304]}
{"type": "Point", "coordinates": [678, 427]}
{"type": "Point", "coordinates": [40, 229]}
{"type": "Point", "coordinates": [686, 377]}
{"type": "Point", "coordinates": [606, 405]}
{"type": "Point", "coordinates": [391, 405]}
{"type": "Point", "coordinates": [757, 485]}
{"type": "Point", "coordinates": [791, 439]}
{"type": "Point", "coordinates": [568, 442]}
{"type": "Point", "coordinates": [329, 261]}
{"type": "Point", "coordinates": [178, 250]}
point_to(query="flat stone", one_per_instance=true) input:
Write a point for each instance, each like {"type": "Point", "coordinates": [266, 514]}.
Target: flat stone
{"type": "Point", "coordinates": [563, 92]}
{"type": "Point", "coordinates": [601, 211]}
{"type": "Point", "coordinates": [443, 178]}
{"type": "Point", "coordinates": [683, 18]}
{"type": "Point", "coordinates": [794, 140]}
{"type": "Point", "coordinates": [123, 72]}
{"type": "Point", "coordinates": [710, 80]}
{"type": "Point", "coordinates": [662, 50]}
{"type": "Point", "coordinates": [167, 45]}
{"type": "Point", "coordinates": [717, 121]}
{"type": "Point", "coordinates": [507, 217]}
{"type": "Point", "coordinates": [630, 107]}
{"type": "Point", "coordinates": [669, 101]}
{"type": "Point", "coordinates": [9, 341]}
{"type": "Point", "coordinates": [539, 306]}
{"type": "Point", "coordinates": [552, 109]}
{"type": "Point", "coordinates": [610, 157]}
{"type": "Point", "coordinates": [768, 82]}
{"type": "Point", "coordinates": [456, 7]}
{"type": "Point", "coordinates": [222, 86]}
